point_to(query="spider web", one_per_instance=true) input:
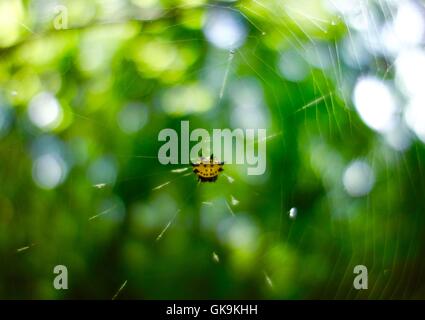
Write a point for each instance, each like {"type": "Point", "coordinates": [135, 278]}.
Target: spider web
{"type": "Point", "coordinates": [309, 138]}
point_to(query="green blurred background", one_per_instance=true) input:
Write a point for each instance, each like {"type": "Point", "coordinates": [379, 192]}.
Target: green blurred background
{"type": "Point", "coordinates": [86, 86]}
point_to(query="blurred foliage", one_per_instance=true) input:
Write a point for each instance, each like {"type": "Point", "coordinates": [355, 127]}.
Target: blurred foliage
{"type": "Point", "coordinates": [77, 173]}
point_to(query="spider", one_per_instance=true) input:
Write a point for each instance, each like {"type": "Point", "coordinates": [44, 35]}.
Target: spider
{"type": "Point", "coordinates": [207, 170]}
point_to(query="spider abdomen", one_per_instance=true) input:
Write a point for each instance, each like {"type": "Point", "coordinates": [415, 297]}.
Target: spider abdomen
{"type": "Point", "coordinates": [207, 170]}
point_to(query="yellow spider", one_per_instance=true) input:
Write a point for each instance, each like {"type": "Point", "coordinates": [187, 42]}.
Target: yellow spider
{"type": "Point", "coordinates": [207, 169]}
